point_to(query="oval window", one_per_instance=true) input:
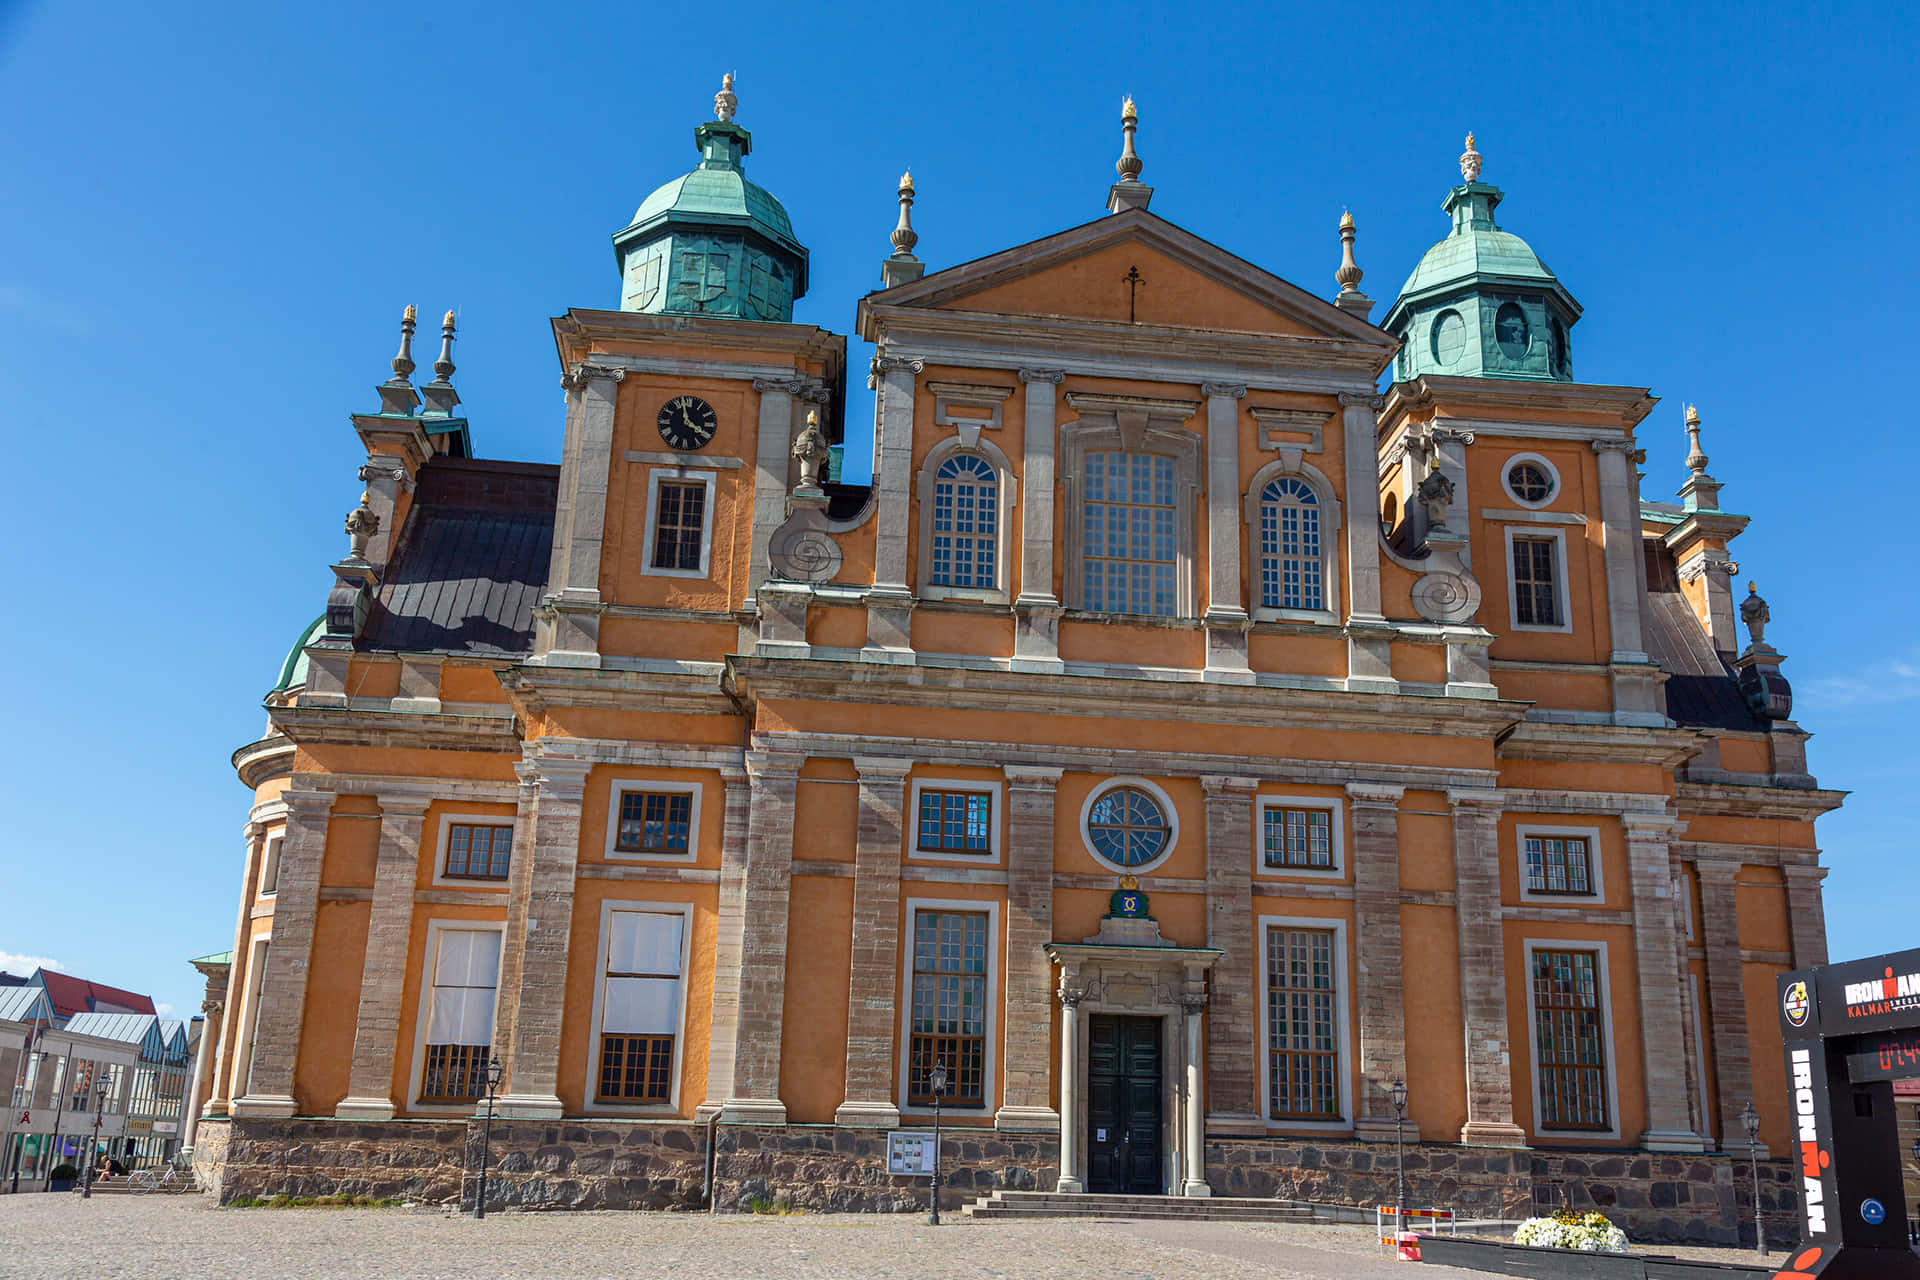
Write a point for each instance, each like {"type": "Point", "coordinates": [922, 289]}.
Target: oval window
{"type": "Point", "coordinates": [1127, 827]}
{"type": "Point", "coordinates": [1510, 330]}
{"type": "Point", "coordinates": [1449, 337]}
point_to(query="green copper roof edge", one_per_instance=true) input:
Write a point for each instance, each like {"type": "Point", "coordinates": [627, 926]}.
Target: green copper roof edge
{"type": "Point", "coordinates": [296, 653]}
{"type": "Point", "coordinates": [732, 221]}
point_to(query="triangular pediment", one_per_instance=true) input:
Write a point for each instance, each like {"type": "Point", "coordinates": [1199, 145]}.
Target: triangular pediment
{"type": "Point", "coordinates": [1133, 267]}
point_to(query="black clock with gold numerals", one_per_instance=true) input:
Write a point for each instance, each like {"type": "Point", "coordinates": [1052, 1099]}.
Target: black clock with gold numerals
{"type": "Point", "coordinates": [687, 422]}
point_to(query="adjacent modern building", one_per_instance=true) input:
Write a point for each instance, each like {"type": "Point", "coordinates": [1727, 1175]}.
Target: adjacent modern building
{"type": "Point", "coordinates": [1180, 740]}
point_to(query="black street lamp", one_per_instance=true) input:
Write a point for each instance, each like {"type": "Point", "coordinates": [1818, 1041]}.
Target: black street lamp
{"type": "Point", "coordinates": [937, 1079]}
{"type": "Point", "coordinates": [486, 1138]}
{"type": "Point", "coordinates": [1398, 1092]}
{"type": "Point", "coordinates": [1751, 1119]}
{"type": "Point", "coordinates": [93, 1155]}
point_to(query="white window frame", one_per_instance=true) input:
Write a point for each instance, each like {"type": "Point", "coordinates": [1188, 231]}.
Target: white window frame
{"type": "Point", "coordinates": [1605, 991]}
{"type": "Point", "coordinates": [1553, 474]}
{"type": "Point", "coordinates": [270, 846]}
{"type": "Point", "coordinates": [1343, 998]}
{"type": "Point", "coordinates": [1577, 901]}
{"type": "Point", "coordinates": [1291, 465]}
{"type": "Point", "coordinates": [993, 791]}
{"type": "Point", "coordinates": [937, 457]}
{"type": "Point", "coordinates": [618, 787]}
{"type": "Point", "coordinates": [671, 1107]}
{"type": "Point", "coordinates": [990, 1087]}
{"type": "Point", "coordinates": [1159, 794]}
{"type": "Point", "coordinates": [680, 475]}
{"type": "Point", "coordinates": [1338, 835]}
{"type": "Point", "coordinates": [1534, 533]}
{"type": "Point", "coordinates": [1179, 445]}
{"type": "Point", "coordinates": [424, 1012]}
{"type": "Point", "coordinates": [444, 838]}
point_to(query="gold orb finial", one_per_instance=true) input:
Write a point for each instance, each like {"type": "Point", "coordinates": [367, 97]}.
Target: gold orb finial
{"type": "Point", "coordinates": [1693, 416]}
{"type": "Point", "coordinates": [409, 314]}
{"type": "Point", "coordinates": [1127, 110]}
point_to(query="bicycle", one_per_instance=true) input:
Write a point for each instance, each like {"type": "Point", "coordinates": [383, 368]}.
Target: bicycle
{"type": "Point", "coordinates": [170, 1178]}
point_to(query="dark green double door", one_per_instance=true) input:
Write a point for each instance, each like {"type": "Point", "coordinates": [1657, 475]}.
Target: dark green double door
{"type": "Point", "coordinates": [1123, 1105]}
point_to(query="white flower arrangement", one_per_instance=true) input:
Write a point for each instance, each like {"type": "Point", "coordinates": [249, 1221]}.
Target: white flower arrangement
{"type": "Point", "coordinates": [1588, 1232]}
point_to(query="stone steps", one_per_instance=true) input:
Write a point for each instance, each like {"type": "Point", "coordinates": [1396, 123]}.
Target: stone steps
{"type": "Point", "coordinates": [1048, 1204]}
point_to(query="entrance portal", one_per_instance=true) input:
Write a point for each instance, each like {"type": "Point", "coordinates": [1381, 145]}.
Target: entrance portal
{"type": "Point", "coordinates": [1123, 1105]}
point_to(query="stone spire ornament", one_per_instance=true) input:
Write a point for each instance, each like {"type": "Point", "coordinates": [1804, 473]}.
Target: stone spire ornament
{"type": "Point", "coordinates": [1470, 162]}
{"type": "Point", "coordinates": [1696, 457]}
{"type": "Point", "coordinates": [443, 367]}
{"type": "Point", "coordinates": [725, 102]}
{"type": "Point", "coordinates": [440, 395]}
{"type": "Point", "coordinates": [1768, 694]}
{"type": "Point", "coordinates": [1129, 192]}
{"type": "Point", "coordinates": [902, 266]}
{"type": "Point", "coordinates": [1701, 492]}
{"type": "Point", "coordinates": [403, 362]}
{"type": "Point", "coordinates": [1754, 612]}
{"type": "Point", "coordinates": [362, 524]}
{"type": "Point", "coordinates": [1351, 300]}
{"type": "Point", "coordinates": [397, 396]}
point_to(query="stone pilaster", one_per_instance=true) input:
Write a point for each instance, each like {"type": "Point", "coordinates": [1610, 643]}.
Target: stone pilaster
{"type": "Point", "coordinates": [539, 924]}
{"type": "Point", "coordinates": [1025, 1101]}
{"type": "Point", "coordinates": [729, 941]}
{"type": "Point", "coordinates": [1637, 696]}
{"type": "Point", "coordinates": [1036, 609]}
{"type": "Point", "coordinates": [1233, 1057]}
{"type": "Point", "coordinates": [383, 977]}
{"type": "Point", "coordinates": [754, 1097]}
{"type": "Point", "coordinates": [1483, 970]}
{"type": "Point", "coordinates": [283, 987]}
{"type": "Point", "coordinates": [1726, 994]}
{"type": "Point", "coordinates": [218, 1095]}
{"type": "Point", "coordinates": [1650, 868]}
{"type": "Point", "coordinates": [772, 470]}
{"type": "Point", "coordinates": [872, 1013]}
{"type": "Point", "coordinates": [567, 632]}
{"type": "Point", "coordinates": [1369, 638]}
{"type": "Point", "coordinates": [1807, 915]}
{"type": "Point", "coordinates": [889, 604]}
{"type": "Point", "coordinates": [1376, 930]}
{"type": "Point", "coordinates": [1226, 615]}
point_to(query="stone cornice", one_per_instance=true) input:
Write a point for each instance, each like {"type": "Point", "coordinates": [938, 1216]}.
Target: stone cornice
{"type": "Point", "coordinates": [575, 333]}
{"type": "Point", "coordinates": [338, 726]}
{"type": "Point", "coordinates": [1601, 743]}
{"type": "Point", "coordinates": [1627, 405]}
{"type": "Point", "coordinates": [1731, 800]}
{"type": "Point", "coordinates": [532, 690]}
{"type": "Point", "coordinates": [258, 762]}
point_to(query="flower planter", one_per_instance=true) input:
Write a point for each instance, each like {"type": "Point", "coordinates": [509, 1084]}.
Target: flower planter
{"type": "Point", "coordinates": [1506, 1259]}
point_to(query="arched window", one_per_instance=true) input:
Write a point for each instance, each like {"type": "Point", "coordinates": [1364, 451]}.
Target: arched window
{"type": "Point", "coordinates": [1290, 564]}
{"type": "Point", "coordinates": [966, 516]}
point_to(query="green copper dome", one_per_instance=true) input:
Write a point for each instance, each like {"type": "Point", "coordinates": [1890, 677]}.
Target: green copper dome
{"type": "Point", "coordinates": [1481, 303]}
{"type": "Point", "coordinates": [711, 242]}
{"type": "Point", "coordinates": [293, 671]}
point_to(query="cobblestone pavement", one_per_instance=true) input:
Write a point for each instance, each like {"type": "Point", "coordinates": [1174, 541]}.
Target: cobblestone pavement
{"type": "Point", "coordinates": [162, 1237]}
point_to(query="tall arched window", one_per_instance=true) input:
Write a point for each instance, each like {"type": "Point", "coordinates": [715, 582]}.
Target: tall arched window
{"type": "Point", "coordinates": [1290, 564]}
{"type": "Point", "coordinates": [966, 514]}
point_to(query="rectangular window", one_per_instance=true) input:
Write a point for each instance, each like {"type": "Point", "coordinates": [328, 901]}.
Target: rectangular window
{"type": "Point", "coordinates": [1568, 1037]}
{"type": "Point", "coordinates": [949, 1015]}
{"type": "Point", "coordinates": [1292, 837]}
{"type": "Point", "coordinates": [1559, 864]}
{"type": "Point", "coordinates": [956, 821]}
{"type": "Point", "coordinates": [679, 522]}
{"type": "Point", "coordinates": [466, 970]}
{"type": "Point", "coordinates": [270, 867]}
{"type": "Point", "coordinates": [1536, 598]}
{"type": "Point", "coordinates": [655, 822]}
{"type": "Point", "coordinates": [640, 1007]}
{"type": "Point", "coordinates": [1303, 1047]}
{"type": "Point", "coordinates": [1131, 554]}
{"type": "Point", "coordinates": [476, 852]}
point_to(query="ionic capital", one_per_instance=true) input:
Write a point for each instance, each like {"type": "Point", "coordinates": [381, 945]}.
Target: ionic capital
{"type": "Point", "coordinates": [789, 386]}
{"type": "Point", "coordinates": [1055, 376]}
{"type": "Point", "coordinates": [1237, 390]}
{"type": "Point", "coordinates": [1623, 447]}
{"type": "Point", "coordinates": [582, 374]}
{"type": "Point", "coordinates": [1362, 400]}
{"type": "Point", "coordinates": [881, 366]}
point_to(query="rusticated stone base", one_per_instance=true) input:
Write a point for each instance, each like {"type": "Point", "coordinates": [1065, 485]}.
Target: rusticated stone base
{"type": "Point", "coordinates": [209, 1154]}
{"type": "Point", "coordinates": [612, 1164]}
{"type": "Point", "coordinates": [1702, 1199]}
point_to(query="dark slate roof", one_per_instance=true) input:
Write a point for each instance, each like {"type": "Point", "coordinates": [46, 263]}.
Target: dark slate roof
{"type": "Point", "coordinates": [1702, 690]}
{"type": "Point", "coordinates": [472, 560]}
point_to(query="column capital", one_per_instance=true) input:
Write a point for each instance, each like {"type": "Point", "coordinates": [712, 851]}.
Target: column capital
{"type": "Point", "coordinates": [1237, 390]}
{"type": "Point", "coordinates": [1026, 777]}
{"type": "Point", "coordinates": [1646, 826]}
{"type": "Point", "coordinates": [1624, 448]}
{"type": "Point", "coordinates": [790, 386]}
{"type": "Point", "coordinates": [884, 365]}
{"type": "Point", "coordinates": [1362, 400]}
{"type": "Point", "coordinates": [1461, 798]}
{"type": "Point", "coordinates": [1054, 376]}
{"type": "Point", "coordinates": [583, 374]}
{"type": "Point", "coordinates": [552, 774]}
{"type": "Point", "coordinates": [1716, 868]}
{"type": "Point", "coordinates": [1223, 784]}
{"type": "Point", "coordinates": [303, 804]}
{"type": "Point", "coordinates": [1803, 873]}
{"type": "Point", "coordinates": [880, 768]}
{"type": "Point", "coordinates": [404, 806]}
{"type": "Point", "coordinates": [771, 766]}
{"type": "Point", "coordinates": [1378, 795]}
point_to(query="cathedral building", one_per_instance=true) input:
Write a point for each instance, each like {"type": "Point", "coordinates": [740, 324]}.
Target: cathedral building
{"type": "Point", "coordinates": [1181, 743]}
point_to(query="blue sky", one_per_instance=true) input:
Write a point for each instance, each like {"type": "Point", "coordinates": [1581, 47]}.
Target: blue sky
{"type": "Point", "coordinates": [214, 213]}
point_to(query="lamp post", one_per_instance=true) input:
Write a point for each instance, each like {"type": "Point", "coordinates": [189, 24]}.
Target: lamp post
{"type": "Point", "coordinates": [937, 1079]}
{"type": "Point", "coordinates": [1751, 1119]}
{"type": "Point", "coordinates": [93, 1153]}
{"type": "Point", "coordinates": [486, 1136]}
{"type": "Point", "coordinates": [1398, 1092]}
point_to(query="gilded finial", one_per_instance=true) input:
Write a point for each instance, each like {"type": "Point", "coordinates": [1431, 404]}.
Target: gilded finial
{"type": "Point", "coordinates": [725, 102]}
{"type": "Point", "coordinates": [1696, 456]}
{"type": "Point", "coordinates": [443, 367]}
{"type": "Point", "coordinates": [904, 237]}
{"type": "Point", "coordinates": [403, 362]}
{"type": "Point", "coordinates": [1348, 276]}
{"type": "Point", "coordinates": [1470, 162]}
{"type": "Point", "coordinates": [1129, 164]}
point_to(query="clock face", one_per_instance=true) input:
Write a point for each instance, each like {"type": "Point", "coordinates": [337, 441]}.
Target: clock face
{"type": "Point", "coordinates": [687, 422]}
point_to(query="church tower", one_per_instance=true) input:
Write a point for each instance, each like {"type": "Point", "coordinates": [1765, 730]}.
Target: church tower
{"type": "Point", "coordinates": [711, 243]}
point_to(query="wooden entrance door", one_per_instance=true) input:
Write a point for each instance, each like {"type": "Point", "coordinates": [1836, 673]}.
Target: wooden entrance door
{"type": "Point", "coordinates": [1123, 1105]}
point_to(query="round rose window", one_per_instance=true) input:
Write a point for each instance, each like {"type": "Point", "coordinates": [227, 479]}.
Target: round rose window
{"type": "Point", "coordinates": [1127, 827]}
